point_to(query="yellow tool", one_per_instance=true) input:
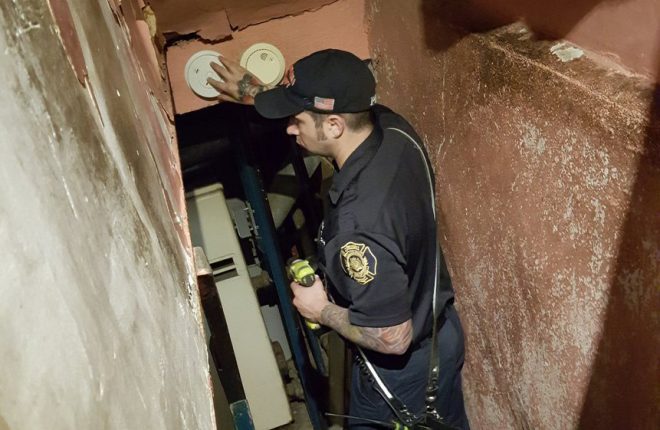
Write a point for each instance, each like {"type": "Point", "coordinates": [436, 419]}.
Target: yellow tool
{"type": "Point", "coordinates": [301, 271]}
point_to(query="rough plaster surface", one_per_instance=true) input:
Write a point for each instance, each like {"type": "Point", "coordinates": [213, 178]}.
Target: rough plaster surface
{"type": "Point", "coordinates": [66, 30]}
{"type": "Point", "coordinates": [548, 177]}
{"type": "Point", "coordinates": [100, 326]}
{"type": "Point", "coordinates": [627, 32]}
{"type": "Point", "coordinates": [146, 54]}
{"type": "Point", "coordinates": [339, 25]}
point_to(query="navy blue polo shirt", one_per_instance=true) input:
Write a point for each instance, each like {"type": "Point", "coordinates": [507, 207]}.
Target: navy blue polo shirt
{"type": "Point", "coordinates": [377, 243]}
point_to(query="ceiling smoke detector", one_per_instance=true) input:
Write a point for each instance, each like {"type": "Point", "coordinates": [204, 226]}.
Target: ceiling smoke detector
{"type": "Point", "coordinates": [264, 61]}
{"type": "Point", "coordinates": [198, 70]}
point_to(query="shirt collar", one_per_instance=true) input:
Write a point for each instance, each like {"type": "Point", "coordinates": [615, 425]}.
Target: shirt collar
{"type": "Point", "coordinates": [355, 163]}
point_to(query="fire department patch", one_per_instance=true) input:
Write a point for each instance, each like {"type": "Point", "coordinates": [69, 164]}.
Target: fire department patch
{"type": "Point", "coordinates": [358, 262]}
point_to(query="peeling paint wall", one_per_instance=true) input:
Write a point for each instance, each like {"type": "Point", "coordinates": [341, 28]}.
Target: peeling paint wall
{"type": "Point", "coordinates": [191, 16]}
{"type": "Point", "coordinates": [296, 36]}
{"type": "Point", "coordinates": [548, 177]}
{"type": "Point", "coordinates": [100, 320]}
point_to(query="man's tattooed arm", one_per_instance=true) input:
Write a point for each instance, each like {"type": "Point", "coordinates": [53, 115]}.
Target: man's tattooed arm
{"type": "Point", "coordinates": [248, 88]}
{"type": "Point", "coordinates": [388, 340]}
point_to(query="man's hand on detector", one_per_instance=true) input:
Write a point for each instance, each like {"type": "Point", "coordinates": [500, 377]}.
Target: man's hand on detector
{"type": "Point", "coordinates": [239, 86]}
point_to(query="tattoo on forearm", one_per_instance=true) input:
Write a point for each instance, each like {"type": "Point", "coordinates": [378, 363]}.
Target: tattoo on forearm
{"type": "Point", "coordinates": [389, 340]}
{"type": "Point", "coordinates": [249, 87]}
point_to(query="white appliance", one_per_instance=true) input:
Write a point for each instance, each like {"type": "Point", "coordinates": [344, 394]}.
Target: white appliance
{"type": "Point", "coordinates": [211, 228]}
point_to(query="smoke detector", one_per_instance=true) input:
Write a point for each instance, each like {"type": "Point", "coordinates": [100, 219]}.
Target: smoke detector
{"type": "Point", "coordinates": [198, 70]}
{"type": "Point", "coordinates": [264, 61]}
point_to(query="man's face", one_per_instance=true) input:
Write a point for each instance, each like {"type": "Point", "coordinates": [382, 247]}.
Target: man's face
{"type": "Point", "coordinates": [308, 135]}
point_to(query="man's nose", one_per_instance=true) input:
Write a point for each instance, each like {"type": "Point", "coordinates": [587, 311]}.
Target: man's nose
{"type": "Point", "coordinates": [292, 129]}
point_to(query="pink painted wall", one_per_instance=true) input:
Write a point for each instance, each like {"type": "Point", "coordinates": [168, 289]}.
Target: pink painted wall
{"type": "Point", "coordinates": [548, 177]}
{"type": "Point", "coordinates": [339, 25]}
{"type": "Point", "coordinates": [181, 16]}
{"type": "Point", "coordinates": [626, 31]}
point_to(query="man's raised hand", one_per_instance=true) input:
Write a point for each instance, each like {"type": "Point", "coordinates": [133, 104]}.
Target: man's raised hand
{"type": "Point", "coordinates": [239, 86]}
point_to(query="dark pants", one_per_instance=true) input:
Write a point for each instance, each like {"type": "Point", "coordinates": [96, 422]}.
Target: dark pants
{"type": "Point", "coordinates": [407, 376]}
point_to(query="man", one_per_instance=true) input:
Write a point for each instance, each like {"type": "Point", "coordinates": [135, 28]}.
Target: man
{"type": "Point", "coordinates": [377, 243]}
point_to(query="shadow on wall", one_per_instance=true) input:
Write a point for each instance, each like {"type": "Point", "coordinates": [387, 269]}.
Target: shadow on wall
{"type": "Point", "coordinates": [623, 390]}
{"type": "Point", "coordinates": [547, 19]}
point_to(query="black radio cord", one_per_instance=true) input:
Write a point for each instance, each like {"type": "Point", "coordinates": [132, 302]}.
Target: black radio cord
{"type": "Point", "coordinates": [368, 420]}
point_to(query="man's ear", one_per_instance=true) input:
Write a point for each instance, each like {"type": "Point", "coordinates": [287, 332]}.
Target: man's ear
{"type": "Point", "coordinates": [335, 126]}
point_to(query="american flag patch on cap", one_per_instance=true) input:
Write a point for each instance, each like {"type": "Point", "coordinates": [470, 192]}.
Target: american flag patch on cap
{"type": "Point", "coordinates": [324, 104]}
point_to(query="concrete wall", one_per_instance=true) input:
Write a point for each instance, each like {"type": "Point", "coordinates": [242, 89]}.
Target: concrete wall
{"type": "Point", "coordinates": [548, 174]}
{"type": "Point", "coordinates": [99, 316]}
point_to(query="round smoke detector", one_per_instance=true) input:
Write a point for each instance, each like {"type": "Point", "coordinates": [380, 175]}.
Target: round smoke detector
{"type": "Point", "coordinates": [264, 61]}
{"type": "Point", "coordinates": [198, 70]}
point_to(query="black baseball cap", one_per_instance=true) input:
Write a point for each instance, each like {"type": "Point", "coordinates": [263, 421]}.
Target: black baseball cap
{"type": "Point", "coordinates": [329, 81]}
